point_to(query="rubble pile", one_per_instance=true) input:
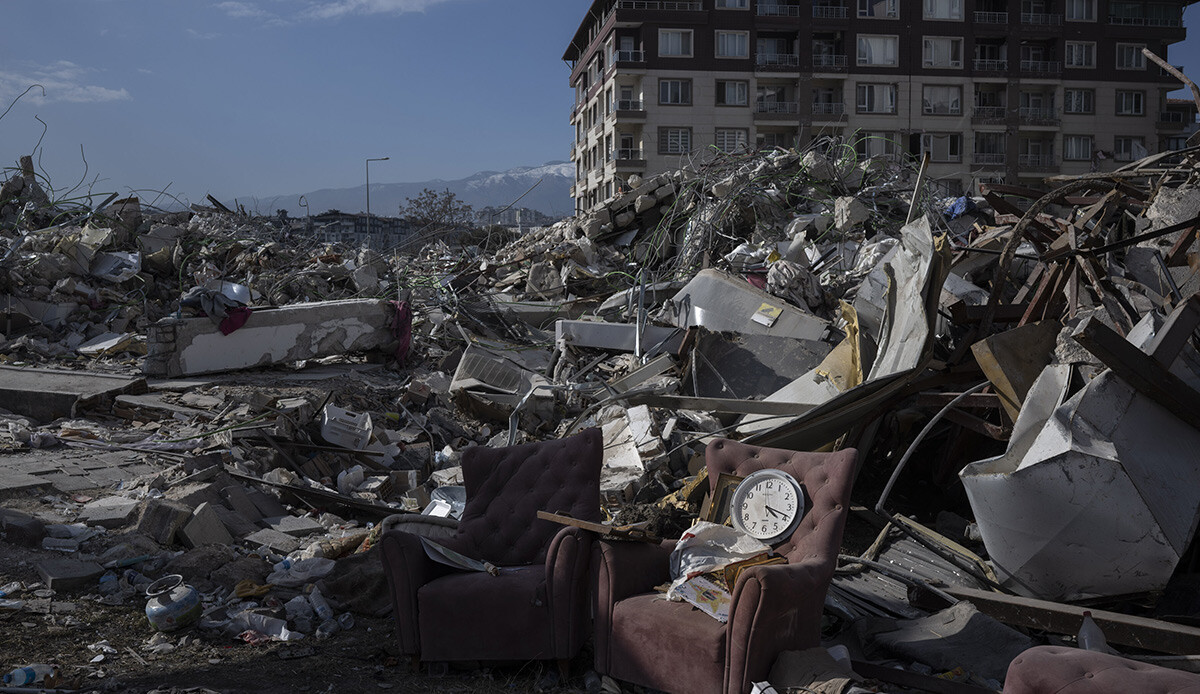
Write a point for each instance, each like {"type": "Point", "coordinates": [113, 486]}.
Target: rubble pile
{"type": "Point", "coordinates": [249, 409]}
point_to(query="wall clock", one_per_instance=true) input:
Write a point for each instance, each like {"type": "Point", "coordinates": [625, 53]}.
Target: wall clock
{"type": "Point", "coordinates": [767, 505]}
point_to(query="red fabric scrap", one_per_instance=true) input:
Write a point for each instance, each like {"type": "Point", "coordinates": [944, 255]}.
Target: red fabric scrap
{"type": "Point", "coordinates": [235, 318]}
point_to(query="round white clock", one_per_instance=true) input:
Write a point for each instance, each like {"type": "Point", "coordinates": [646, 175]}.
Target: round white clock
{"type": "Point", "coordinates": [767, 505]}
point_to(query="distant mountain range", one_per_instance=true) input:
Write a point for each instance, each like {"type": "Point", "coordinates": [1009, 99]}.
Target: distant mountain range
{"type": "Point", "coordinates": [487, 188]}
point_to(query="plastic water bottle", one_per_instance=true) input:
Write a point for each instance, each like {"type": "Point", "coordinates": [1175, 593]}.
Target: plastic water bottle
{"type": "Point", "coordinates": [327, 628]}
{"type": "Point", "coordinates": [320, 606]}
{"type": "Point", "coordinates": [1091, 637]}
{"type": "Point", "coordinates": [10, 589]}
{"type": "Point", "coordinates": [30, 674]}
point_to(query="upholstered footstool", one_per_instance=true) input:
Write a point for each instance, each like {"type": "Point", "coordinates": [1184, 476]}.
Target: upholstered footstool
{"type": "Point", "coordinates": [1059, 670]}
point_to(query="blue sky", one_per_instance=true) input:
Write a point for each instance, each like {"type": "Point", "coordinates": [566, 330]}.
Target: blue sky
{"type": "Point", "coordinates": [264, 97]}
{"type": "Point", "coordinates": [268, 97]}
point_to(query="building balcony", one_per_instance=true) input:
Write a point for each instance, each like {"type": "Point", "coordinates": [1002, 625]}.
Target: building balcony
{"type": "Point", "coordinates": [989, 114]}
{"type": "Point", "coordinates": [1039, 116]}
{"type": "Point", "coordinates": [1041, 67]}
{"type": "Point", "coordinates": [829, 12]}
{"type": "Point", "coordinates": [1036, 162]}
{"type": "Point", "coordinates": [1040, 19]}
{"type": "Point", "coordinates": [821, 108]}
{"type": "Point", "coordinates": [783, 110]}
{"type": "Point", "coordinates": [627, 109]}
{"type": "Point", "coordinates": [777, 9]}
{"type": "Point", "coordinates": [1127, 21]}
{"type": "Point", "coordinates": [991, 18]}
{"type": "Point", "coordinates": [829, 62]}
{"type": "Point", "coordinates": [988, 159]}
{"type": "Point", "coordinates": [1163, 22]}
{"type": "Point", "coordinates": [627, 158]}
{"type": "Point", "coordinates": [631, 56]}
{"type": "Point", "coordinates": [990, 65]}
{"type": "Point", "coordinates": [671, 5]}
{"type": "Point", "coordinates": [1172, 120]}
{"type": "Point", "coordinates": [784, 62]}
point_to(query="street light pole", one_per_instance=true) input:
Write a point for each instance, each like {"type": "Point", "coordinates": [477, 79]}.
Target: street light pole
{"type": "Point", "coordinates": [307, 214]}
{"type": "Point", "coordinates": [369, 189]}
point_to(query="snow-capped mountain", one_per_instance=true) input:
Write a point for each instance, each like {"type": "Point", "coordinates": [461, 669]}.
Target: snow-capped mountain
{"type": "Point", "coordinates": [486, 188]}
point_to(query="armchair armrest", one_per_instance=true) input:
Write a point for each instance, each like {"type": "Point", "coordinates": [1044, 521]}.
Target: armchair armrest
{"type": "Point", "coordinates": [568, 561]}
{"type": "Point", "coordinates": [622, 570]}
{"type": "Point", "coordinates": [774, 608]}
{"type": "Point", "coordinates": [407, 568]}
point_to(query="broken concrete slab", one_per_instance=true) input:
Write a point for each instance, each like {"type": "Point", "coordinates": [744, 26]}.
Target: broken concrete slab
{"type": "Point", "coordinates": [49, 394]}
{"type": "Point", "coordinates": [273, 540]}
{"type": "Point", "coordinates": [296, 526]}
{"type": "Point", "coordinates": [237, 525]}
{"type": "Point", "coordinates": [109, 512]}
{"type": "Point", "coordinates": [236, 497]}
{"type": "Point", "coordinates": [21, 529]}
{"type": "Point", "coordinates": [68, 574]}
{"type": "Point", "coordinates": [190, 346]}
{"type": "Point", "coordinates": [205, 528]}
{"type": "Point", "coordinates": [617, 336]}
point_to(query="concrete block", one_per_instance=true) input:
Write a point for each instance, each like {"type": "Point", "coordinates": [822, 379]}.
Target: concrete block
{"type": "Point", "coordinates": [644, 203]}
{"type": "Point", "coordinates": [624, 219]}
{"type": "Point", "coordinates": [236, 497]}
{"type": "Point", "coordinates": [160, 519]}
{"type": "Point", "coordinates": [192, 495]}
{"type": "Point", "coordinates": [190, 346]}
{"type": "Point", "coordinates": [110, 512]}
{"type": "Point", "coordinates": [296, 526]}
{"type": "Point", "coordinates": [267, 505]}
{"type": "Point", "coordinates": [603, 215]}
{"type": "Point", "coordinates": [68, 574]}
{"type": "Point", "coordinates": [18, 481]}
{"type": "Point", "coordinates": [665, 192]}
{"type": "Point", "coordinates": [205, 528]}
{"type": "Point", "coordinates": [274, 541]}
{"type": "Point", "coordinates": [21, 528]}
{"type": "Point", "coordinates": [237, 524]}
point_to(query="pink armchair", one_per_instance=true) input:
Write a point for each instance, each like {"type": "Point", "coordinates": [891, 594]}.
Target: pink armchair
{"type": "Point", "coordinates": [536, 609]}
{"type": "Point", "coordinates": [642, 638]}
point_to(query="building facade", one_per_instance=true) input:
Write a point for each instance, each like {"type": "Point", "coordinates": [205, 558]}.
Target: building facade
{"type": "Point", "coordinates": [993, 90]}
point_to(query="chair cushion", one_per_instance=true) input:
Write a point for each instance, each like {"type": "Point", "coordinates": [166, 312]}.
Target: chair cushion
{"type": "Point", "coordinates": [1059, 670]}
{"type": "Point", "coordinates": [671, 646]}
{"type": "Point", "coordinates": [477, 616]}
{"type": "Point", "coordinates": [506, 487]}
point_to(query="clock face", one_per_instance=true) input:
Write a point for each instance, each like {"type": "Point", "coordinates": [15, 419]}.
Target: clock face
{"type": "Point", "coordinates": [767, 505]}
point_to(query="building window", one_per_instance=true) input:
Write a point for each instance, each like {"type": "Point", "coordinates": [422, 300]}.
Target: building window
{"type": "Point", "coordinates": [1174, 143]}
{"type": "Point", "coordinates": [1129, 148]}
{"type": "Point", "coordinates": [733, 93]}
{"type": "Point", "coordinates": [944, 9]}
{"type": "Point", "coordinates": [1079, 100]}
{"type": "Point", "coordinates": [875, 145]}
{"type": "Point", "coordinates": [733, 44]}
{"type": "Point", "coordinates": [878, 8]}
{"type": "Point", "coordinates": [1130, 56]}
{"type": "Point", "coordinates": [1077, 147]}
{"type": "Point", "coordinates": [732, 139]}
{"type": "Point", "coordinates": [1081, 54]}
{"type": "Point", "coordinates": [675, 92]}
{"type": "Point", "coordinates": [876, 98]}
{"type": "Point", "coordinates": [674, 140]}
{"type": "Point", "coordinates": [878, 50]}
{"type": "Point", "coordinates": [942, 100]}
{"type": "Point", "coordinates": [732, 4]}
{"type": "Point", "coordinates": [770, 140]}
{"type": "Point", "coordinates": [944, 52]}
{"type": "Point", "coordinates": [1081, 10]}
{"type": "Point", "coordinates": [675, 43]}
{"type": "Point", "coordinates": [945, 147]}
{"type": "Point", "coordinates": [1131, 103]}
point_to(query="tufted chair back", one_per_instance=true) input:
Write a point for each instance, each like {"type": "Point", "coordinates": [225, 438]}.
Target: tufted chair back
{"type": "Point", "coordinates": [506, 487]}
{"type": "Point", "coordinates": [826, 478]}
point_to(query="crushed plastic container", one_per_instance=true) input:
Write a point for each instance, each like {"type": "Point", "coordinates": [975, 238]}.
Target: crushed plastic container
{"type": "Point", "coordinates": [345, 428]}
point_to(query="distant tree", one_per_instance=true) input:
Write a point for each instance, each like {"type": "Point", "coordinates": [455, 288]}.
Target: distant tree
{"type": "Point", "coordinates": [432, 209]}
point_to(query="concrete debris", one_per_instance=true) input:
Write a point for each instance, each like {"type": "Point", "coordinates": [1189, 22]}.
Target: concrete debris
{"type": "Point", "coordinates": [269, 400]}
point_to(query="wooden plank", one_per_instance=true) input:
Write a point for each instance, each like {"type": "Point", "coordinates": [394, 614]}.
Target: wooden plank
{"type": "Point", "coordinates": [634, 532]}
{"type": "Point", "coordinates": [1059, 618]}
{"type": "Point", "coordinates": [1177, 256]}
{"type": "Point", "coordinates": [726, 405]}
{"type": "Point", "coordinates": [979, 426]}
{"type": "Point", "coordinates": [1138, 369]}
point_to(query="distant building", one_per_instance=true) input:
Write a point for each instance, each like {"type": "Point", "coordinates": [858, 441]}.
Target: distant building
{"type": "Point", "coordinates": [993, 90]}
{"type": "Point", "coordinates": [523, 216]}
{"type": "Point", "coordinates": [378, 233]}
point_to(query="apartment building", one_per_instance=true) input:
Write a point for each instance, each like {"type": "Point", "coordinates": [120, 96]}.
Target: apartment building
{"type": "Point", "coordinates": [993, 90]}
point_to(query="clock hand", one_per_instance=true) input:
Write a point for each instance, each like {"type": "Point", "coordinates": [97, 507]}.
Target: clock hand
{"type": "Point", "coordinates": [773, 512]}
